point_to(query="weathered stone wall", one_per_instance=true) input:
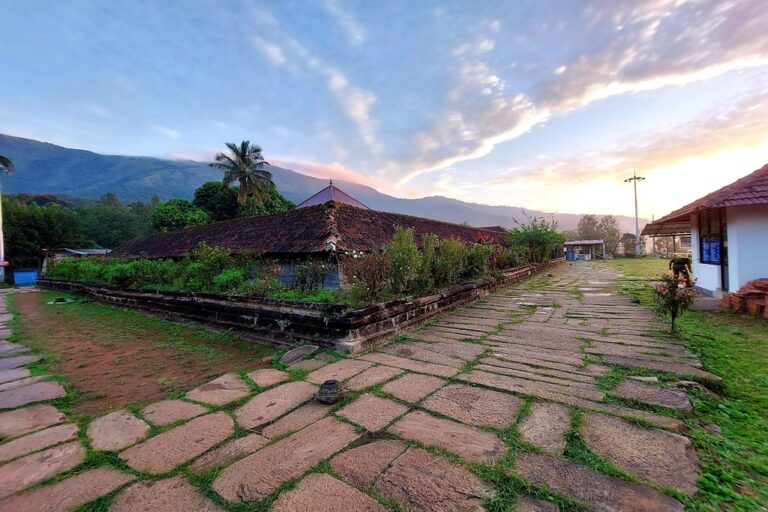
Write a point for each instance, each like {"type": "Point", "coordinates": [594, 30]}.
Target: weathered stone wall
{"type": "Point", "coordinates": [293, 322]}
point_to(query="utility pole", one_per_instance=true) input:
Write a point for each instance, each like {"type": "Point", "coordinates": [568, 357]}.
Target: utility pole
{"type": "Point", "coordinates": [634, 179]}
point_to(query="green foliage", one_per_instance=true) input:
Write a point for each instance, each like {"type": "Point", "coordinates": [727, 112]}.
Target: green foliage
{"type": "Point", "coordinates": [176, 214]}
{"type": "Point", "coordinates": [271, 202]}
{"type": "Point", "coordinates": [451, 262]}
{"type": "Point", "coordinates": [537, 239]}
{"type": "Point", "coordinates": [370, 277]}
{"type": "Point", "coordinates": [230, 279]}
{"type": "Point", "coordinates": [30, 228]}
{"type": "Point", "coordinates": [219, 200]}
{"type": "Point", "coordinates": [479, 259]}
{"type": "Point", "coordinates": [670, 299]}
{"type": "Point", "coordinates": [404, 259]}
{"type": "Point", "coordinates": [244, 163]}
{"type": "Point", "coordinates": [109, 223]}
{"type": "Point", "coordinates": [308, 276]}
{"type": "Point", "coordinates": [425, 279]}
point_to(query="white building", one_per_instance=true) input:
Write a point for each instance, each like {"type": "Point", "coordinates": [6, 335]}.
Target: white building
{"type": "Point", "coordinates": [729, 233]}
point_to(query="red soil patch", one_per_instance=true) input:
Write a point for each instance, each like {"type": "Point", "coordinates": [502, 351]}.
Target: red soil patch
{"type": "Point", "coordinates": [113, 357]}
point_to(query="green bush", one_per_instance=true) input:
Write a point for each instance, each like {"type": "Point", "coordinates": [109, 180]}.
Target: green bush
{"type": "Point", "coordinates": [479, 259]}
{"type": "Point", "coordinates": [536, 240]}
{"type": "Point", "coordinates": [308, 276]}
{"type": "Point", "coordinates": [228, 280]}
{"type": "Point", "coordinates": [425, 279]}
{"type": "Point", "coordinates": [404, 259]}
{"type": "Point", "coordinates": [369, 275]}
{"type": "Point", "coordinates": [451, 262]}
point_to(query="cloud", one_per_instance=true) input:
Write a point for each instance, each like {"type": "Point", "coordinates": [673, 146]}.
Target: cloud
{"type": "Point", "coordinates": [654, 44]}
{"type": "Point", "coordinates": [335, 171]}
{"type": "Point", "coordinates": [355, 32]}
{"type": "Point", "coordinates": [271, 51]}
{"type": "Point", "coordinates": [480, 45]}
{"type": "Point", "coordinates": [168, 132]}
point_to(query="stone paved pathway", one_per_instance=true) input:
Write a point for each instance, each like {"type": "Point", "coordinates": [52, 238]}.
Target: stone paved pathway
{"type": "Point", "coordinates": [449, 418]}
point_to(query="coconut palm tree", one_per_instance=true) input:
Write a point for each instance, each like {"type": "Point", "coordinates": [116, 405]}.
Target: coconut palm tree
{"type": "Point", "coordinates": [6, 165]}
{"type": "Point", "coordinates": [245, 164]}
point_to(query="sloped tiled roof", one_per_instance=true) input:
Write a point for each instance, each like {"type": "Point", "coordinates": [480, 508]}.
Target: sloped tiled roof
{"type": "Point", "coordinates": [749, 190]}
{"type": "Point", "coordinates": [332, 193]}
{"type": "Point", "coordinates": [312, 229]}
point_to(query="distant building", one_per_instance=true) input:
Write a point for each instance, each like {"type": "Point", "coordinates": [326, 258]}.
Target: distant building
{"type": "Point", "coordinates": [329, 225]}
{"type": "Point", "coordinates": [728, 232]}
{"type": "Point", "coordinates": [584, 250]}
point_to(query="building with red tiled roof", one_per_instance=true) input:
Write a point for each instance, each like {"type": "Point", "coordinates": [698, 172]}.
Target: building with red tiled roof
{"type": "Point", "coordinates": [328, 225]}
{"type": "Point", "coordinates": [729, 233]}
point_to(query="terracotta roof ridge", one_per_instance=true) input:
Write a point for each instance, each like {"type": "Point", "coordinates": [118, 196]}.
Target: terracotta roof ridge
{"type": "Point", "coordinates": [333, 235]}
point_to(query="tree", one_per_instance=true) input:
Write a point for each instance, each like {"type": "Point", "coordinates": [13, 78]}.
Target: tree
{"type": "Point", "coordinates": [31, 228]}
{"type": "Point", "coordinates": [245, 164]}
{"type": "Point", "coordinates": [610, 232]}
{"type": "Point", "coordinates": [219, 200]}
{"type": "Point", "coordinates": [273, 202]}
{"type": "Point", "coordinates": [110, 223]}
{"type": "Point", "coordinates": [176, 214]}
{"type": "Point", "coordinates": [589, 227]}
{"type": "Point", "coordinates": [537, 239]}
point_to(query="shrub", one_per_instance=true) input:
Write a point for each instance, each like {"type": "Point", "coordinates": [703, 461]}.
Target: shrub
{"type": "Point", "coordinates": [451, 262]}
{"type": "Point", "coordinates": [479, 259]}
{"type": "Point", "coordinates": [671, 299]}
{"type": "Point", "coordinates": [404, 259]}
{"type": "Point", "coordinates": [119, 274]}
{"type": "Point", "coordinates": [425, 279]}
{"type": "Point", "coordinates": [309, 276]}
{"type": "Point", "coordinates": [229, 280]}
{"type": "Point", "coordinates": [370, 277]}
{"type": "Point", "coordinates": [537, 239]}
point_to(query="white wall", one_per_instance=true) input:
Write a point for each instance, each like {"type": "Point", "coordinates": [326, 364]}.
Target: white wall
{"type": "Point", "coordinates": [747, 244]}
{"type": "Point", "coordinates": [707, 275]}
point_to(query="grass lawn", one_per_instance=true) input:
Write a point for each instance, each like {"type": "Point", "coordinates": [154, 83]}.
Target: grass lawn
{"type": "Point", "coordinates": [735, 347]}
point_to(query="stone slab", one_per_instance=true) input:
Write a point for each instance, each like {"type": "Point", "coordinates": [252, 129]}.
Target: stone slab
{"type": "Point", "coordinates": [22, 421]}
{"type": "Point", "coordinates": [600, 491]}
{"type": "Point", "coordinates": [70, 493]}
{"type": "Point", "coordinates": [23, 382]}
{"type": "Point", "coordinates": [37, 441]}
{"type": "Point", "coordinates": [268, 377]}
{"type": "Point", "coordinates": [273, 403]}
{"type": "Point", "coordinates": [116, 431]}
{"type": "Point", "coordinates": [528, 504]}
{"type": "Point", "coordinates": [308, 365]}
{"type": "Point", "coordinates": [296, 420]}
{"type": "Point", "coordinates": [470, 443]}
{"type": "Point", "coordinates": [298, 353]}
{"type": "Point", "coordinates": [372, 376]}
{"type": "Point", "coordinates": [545, 427]}
{"type": "Point", "coordinates": [170, 495]}
{"type": "Point", "coordinates": [412, 387]}
{"type": "Point", "coordinates": [474, 406]}
{"type": "Point", "coordinates": [35, 392]}
{"type": "Point", "coordinates": [409, 364]}
{"type": "Point", "coordinates": [341, 370]}
{"type": "Point", "coordinates": [166, 412]}
{"type": "Point", "coordinates": [419, 480]}
{"type": "Point", "coordinates": [21, 473]}
{"type": "Point", "coordinates": [14, 374]}
{"type": "Point", "coordinates": [649, 394]}
{"type": "Point", "coordinates": [256, 476]}
{"type": "Point", "coordinates": [414, 351]}
{"type": "Point", "coordinates": [164, 452]}
{"type": "Point", "coordinates": [372, 412]}
{"type": "Point", "coordinates": [228, 453]}
{"type": "Point", "coordinates": [9, 363]}
{"type": "Point", "coordinates": [221, 390]}
{"type": "Point", "coordinates": [361, 465]}
{"type": "Point", "coordinates": [465, 351]}
{"type": "Point", "coordinates": [653, 455]}
{"type": "Point", "coordinates": [709, 379]}
{"type": "Point", "coordinates": [320, 492]}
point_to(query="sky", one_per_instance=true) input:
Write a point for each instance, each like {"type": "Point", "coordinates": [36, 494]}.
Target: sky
{"type": "Point", "coordinates": [546, 104]}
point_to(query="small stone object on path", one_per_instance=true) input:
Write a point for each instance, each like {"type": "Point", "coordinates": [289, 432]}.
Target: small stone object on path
{"type": "Point", "coordinates": [166, 412]}
{"type": "Point", "coordinates": [273, 403]}
{"type": "Point", "coordinates": [475, 406]}
{"type": "Point", "coordinates": [361, 465]}
{"type": "Point", "coordinates": [297, 354]}
{"type": "Point", "coordinates": [9, 363]}
{"type": "Point", "coordinates": [70, 493]}
{"type": "Point", "coordinates": [308, 365]}
{"type": "Point", "coordinates": [268, 377]}
{"type": "Point", "coordinates": [14, 374]}
{"type": "Point", "coordinates": [170, 495]}
{"type": "Point", "coordinates": [228, 453]}
{"type": "Point", "coordinates": [296, 420]}
{"type": "Point", "coordinates": [528, 504]}
{"type": "Point", "coordinates": [26, 471]}
{"type": "Point", "coordinates": [116, 431]}
{"type": "Point", "coordinates": [164, 452]}
{"type": "Point", "coordinates": [372, 376]}
{"type": "Point", "coordinates": [600, 491]}
{"type": "Point", "coordinates": [330, 392]}
{"type": "Point", "coordinates": [649, 394]}
{"type": "Point", "coordinates": [320, 492]}
{"type": "Point", "coordinates": [221, 390]}
{"type": "Point", "coordinates": [37, 441]}
{"type": "Point", "coordinates": [470, 443]}
{"type": "Point", "coordinates": [258, 475]}
{"type": "Point", "coordinates": [654, 455]}
{"type": "Point", "coordinates": [341, 371]}
{"type": "Point", "coordinates": [22, 421]}
{"type": "Point", "coordinates": [35, 392]}
{"type": "Point", "coordinates": [419, 480]}
{"type": "Point", "coordinates": [545, 427]}
{"type": "Point", "coordinates": [372, 412]}
{"type": "Point", "coordinates": [23, 382]}
{"type": "Point", "coordinates": [412, 387]}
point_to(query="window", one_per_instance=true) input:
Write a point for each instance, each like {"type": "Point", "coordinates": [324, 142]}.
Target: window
{"type": "Point", "coordinates": [710, 236]}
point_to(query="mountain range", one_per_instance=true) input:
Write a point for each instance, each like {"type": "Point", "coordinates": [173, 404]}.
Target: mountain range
{"type": "Point", "coordinates": [42, 167]}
